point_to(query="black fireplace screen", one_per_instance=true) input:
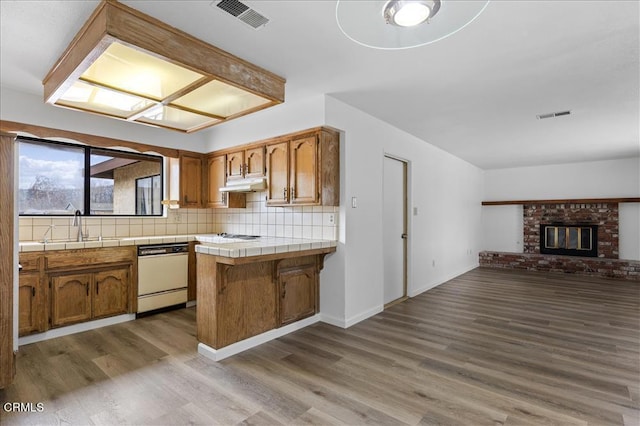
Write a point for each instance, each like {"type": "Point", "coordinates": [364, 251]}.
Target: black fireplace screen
{"type": "Point", "coordinates": [569, 240]}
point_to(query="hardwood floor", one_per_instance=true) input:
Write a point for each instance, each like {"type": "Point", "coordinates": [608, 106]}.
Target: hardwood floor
{"type": "Point", "coordinates": [490, 347]}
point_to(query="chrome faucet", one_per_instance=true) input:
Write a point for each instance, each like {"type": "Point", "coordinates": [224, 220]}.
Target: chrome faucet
{"type": "Point", "coordinates": [77, 221]}
{"type": "Point", "coordinates": [44, 237]}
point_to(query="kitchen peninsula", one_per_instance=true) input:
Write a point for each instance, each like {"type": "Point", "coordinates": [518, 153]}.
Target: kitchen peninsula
{"type": "Point", "coordinates": [252, 292]}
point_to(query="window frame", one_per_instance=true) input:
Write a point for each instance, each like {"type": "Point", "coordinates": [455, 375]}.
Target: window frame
{"type": "Point", "coordinates": [136, 194]}
{"type": "Point", "coordinates": [87, 149]}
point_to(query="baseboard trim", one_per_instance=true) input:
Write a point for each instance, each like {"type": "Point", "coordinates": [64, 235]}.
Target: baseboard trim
{"type": "Point", "coordinates": [337, 322]}
{"type": "Point", "coordinates": [449, 277]}
{"type": "Point", "coordinates": [251, 342]}
{"type": "Point", "coordinates": [75, 328]}
{"type": "Point", "coordinates": [363, 316]}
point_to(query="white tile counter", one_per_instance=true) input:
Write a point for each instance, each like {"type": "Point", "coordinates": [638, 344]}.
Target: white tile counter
{"type": "Point", "coordinates": [264, 245]}
{"type": "Point", "coordinates": [210, 244]}
{"type": "Point", "coordinates": [107, 242]}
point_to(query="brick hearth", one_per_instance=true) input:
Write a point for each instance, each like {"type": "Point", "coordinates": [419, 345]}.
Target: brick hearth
{"type": "Point", "coordinates": [608, 268]}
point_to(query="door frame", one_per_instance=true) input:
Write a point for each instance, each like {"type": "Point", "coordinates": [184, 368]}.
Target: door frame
{"type": "Point", "coordinates": [407, 225]}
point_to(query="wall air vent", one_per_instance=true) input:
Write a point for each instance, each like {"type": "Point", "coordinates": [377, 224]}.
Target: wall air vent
{"type": "Point", "coordinates": [243, 12]}
{"type": "Point", "coordinates": [552, 114]}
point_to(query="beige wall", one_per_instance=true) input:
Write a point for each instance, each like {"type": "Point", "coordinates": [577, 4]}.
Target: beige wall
{"type": "Point", "coordinates": [124, 185]}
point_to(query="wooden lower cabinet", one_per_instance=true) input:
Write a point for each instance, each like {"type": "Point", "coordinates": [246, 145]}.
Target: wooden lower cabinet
{"type": "Point", "coordinates": [240, 298]}
{"type": "Point", "coordinates": [70, 299]}
{"type": "Point", "coordinates": [110, 294]}
{"type": "Point", "coordinates": [83, 296]}
{"type": "Point", "coordinates": [31, 296]}
{"type": "Point", "coordinates": [297, 287]}
{"type": "Point", "coordinates": [58, 288]}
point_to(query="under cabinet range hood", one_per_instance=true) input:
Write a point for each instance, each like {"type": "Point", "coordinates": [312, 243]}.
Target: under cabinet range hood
{"type": "Point", "coordinates": [130, 66]}
{"type": "Point", "coordinates": [245, 185]}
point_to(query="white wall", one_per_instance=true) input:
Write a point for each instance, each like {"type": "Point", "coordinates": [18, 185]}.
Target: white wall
{"type": "Point", "coordinates": [275, 121]}
{"type": "Point", "coordinates": [503, 228]}
{"type": "Point", "coordinates": [446, 190]}
{"type": "Point", "coordinates": [596, 179]}
{"type": "Point", "coordinates": [31, 109]}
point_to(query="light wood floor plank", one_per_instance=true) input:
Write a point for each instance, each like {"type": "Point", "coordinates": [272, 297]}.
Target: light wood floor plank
{"type": "Point", "coordinates": [490, 347]}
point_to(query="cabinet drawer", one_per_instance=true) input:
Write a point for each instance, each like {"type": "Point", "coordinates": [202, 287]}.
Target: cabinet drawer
{"type": "Point", "coordinates": [30, 261]}
{"type": "Point", "coordinates": [89, 257]}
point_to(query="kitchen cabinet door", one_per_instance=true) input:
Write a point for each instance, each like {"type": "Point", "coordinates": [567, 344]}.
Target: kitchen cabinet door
{"type": "Point", "coordinates": [31, 295]}
{"type": "Point", "coordinates": [216, 172]}
{"type": "Point", "coordinates": [277, 156]}
{"type": "Point", "coordinates": [216, 176]}
{"type": "Point", "coordinates": [70, 299]}
{"type": "Point", "coordinates": [254, 162]}
{"type": "Point", "coordinates": [304, 171]}
{"type": "Point", "coordinates": [297, 289]}
{"type": "Point", "coordinates": [190, 181]}
{"type": "Point", "coordinates": [110, 294]}
{"type": "Point", "coordinates": [235, 165]}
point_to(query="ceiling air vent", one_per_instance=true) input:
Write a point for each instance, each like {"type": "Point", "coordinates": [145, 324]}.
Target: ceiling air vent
{"type": "Point", "coordinates": [552, 114]}
{"type": "Point", "coordinates": [243, 12]}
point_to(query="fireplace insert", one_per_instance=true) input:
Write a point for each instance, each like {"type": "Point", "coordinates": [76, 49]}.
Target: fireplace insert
{"type": "Point", "coordinates": [569, 239]}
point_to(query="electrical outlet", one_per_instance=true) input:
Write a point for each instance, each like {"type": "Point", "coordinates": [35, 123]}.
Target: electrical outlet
{"type": "Point", "coordinates": [177, 217]}
{"type": "Point", "coordinates": [433, 263]}
{"type": "Point", "coordinates": [332, 219]}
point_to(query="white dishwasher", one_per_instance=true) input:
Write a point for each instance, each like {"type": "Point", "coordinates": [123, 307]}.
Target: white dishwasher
{"type": "Point", "coordinates": [162, 276]}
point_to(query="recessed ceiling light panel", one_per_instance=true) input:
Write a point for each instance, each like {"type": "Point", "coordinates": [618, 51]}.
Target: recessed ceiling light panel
{"type": "Point", "coordinates": [120, 65]}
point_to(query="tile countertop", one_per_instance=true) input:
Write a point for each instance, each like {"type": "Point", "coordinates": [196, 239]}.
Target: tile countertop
{"type": "Point", "coordinates": [107, 242]}
{"type": "Point", "coordinates": [209, 244]}
{"type": "Point", "coordinates": [261, 246]}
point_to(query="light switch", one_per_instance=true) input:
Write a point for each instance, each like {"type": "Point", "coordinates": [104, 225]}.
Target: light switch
{"type": "Point", "coordinates": [354, 202]}
{"type": "Point", "coordinates": [415, 211]}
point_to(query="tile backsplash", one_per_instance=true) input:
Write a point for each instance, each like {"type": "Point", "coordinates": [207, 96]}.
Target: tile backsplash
{"type": "Point", "coordinates": [315, 222]}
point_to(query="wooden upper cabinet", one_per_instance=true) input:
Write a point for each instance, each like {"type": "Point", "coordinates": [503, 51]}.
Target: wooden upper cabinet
{"type": "Point", "coordinates": [278, 173]}
{"type": "Point", "coordinates": [216, 173]}
{"type": "Point", "coordinates": [304, 171]}
{"type": "Point", "coordinates": [247, 163]}
{"type": "Point", "coordinates": [254, 162]}
{"type": "Point", "coordinates": [216, 179]}
{"type": "Point", "coordinates": [110, 296]}
{"type": "Point", "coordinates": [235, 165]}
{"type": "Point", "coordinates": [301, 168]}
{"type": "Point", "coordinates": [191, 180]}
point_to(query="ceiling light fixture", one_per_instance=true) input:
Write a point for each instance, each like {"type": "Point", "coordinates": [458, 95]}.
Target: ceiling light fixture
{"type": "Point", "coordinates": [408, 13]}
{"type": "Point", "coordinates": [360, 21]}
{"type": "Point", "coordinates": [127, 65]}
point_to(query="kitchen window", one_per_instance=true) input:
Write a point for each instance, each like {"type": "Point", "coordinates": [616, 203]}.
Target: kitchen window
{"type": "Point", "coordinates": [53, 181]}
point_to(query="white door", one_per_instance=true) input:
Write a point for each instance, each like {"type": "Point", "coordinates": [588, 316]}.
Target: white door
{"type": "Point", "coordinates": [394, 229]}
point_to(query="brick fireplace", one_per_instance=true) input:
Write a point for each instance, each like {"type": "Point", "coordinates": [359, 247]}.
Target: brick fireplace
{"type": "Point", "coordinates": [604, 215]}
{"type": "Point", "coordinates": [572, 219]}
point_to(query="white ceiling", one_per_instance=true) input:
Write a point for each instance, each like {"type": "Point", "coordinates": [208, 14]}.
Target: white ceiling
{"type": "Point", "coordinates": [475, 94]}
